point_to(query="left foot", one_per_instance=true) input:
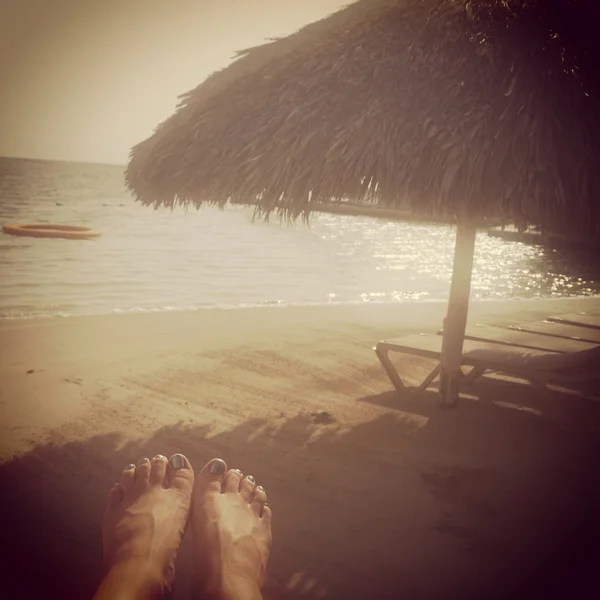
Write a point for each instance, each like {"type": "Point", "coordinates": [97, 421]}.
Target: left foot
{"type": "Point", "coordinates": [232, 534]}
{"type": "Point", "coordinates": [144, 522]}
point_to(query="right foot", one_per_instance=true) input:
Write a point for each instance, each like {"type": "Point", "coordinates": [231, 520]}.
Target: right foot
{"type": "Point", "coordinates": [144, 522]}
{"type": "Point", "coordinates": [232, 534]}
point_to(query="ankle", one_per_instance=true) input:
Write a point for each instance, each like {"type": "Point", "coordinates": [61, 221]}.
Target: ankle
{"type": "Point", "coordinates": [233, 589]}
{"type": "Point", "coordinates": [238, 588]}
{"type": "Point", "coordinates": [133, 579]}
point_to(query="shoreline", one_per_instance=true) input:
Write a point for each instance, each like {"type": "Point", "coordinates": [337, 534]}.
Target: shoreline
{"type": "Point", "coordinates": [371, 491]}
{"type": "Point", "coordinates": [323, 305]}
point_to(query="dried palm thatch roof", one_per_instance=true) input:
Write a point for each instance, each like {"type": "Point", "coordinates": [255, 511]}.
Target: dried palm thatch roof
{"type": "Point", "coordinates": [467, 108]}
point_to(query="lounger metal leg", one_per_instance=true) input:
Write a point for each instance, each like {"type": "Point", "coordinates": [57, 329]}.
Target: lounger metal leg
{"type": "Point", "coordinates": [385, 361]}
{"type": "Point", "coordinates": [429, 379]}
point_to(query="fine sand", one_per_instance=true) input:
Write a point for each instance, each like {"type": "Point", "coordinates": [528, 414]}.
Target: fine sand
{"type": "Point", "coordinates": [374, 496]}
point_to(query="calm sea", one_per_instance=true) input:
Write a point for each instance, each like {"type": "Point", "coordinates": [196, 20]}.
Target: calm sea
{"type": "Point", "coordinates": [149, 260]}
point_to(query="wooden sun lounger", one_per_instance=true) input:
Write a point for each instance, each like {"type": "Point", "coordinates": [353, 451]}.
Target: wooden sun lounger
{"type": "Point", "coordinates": [533, 365]}
{"type": "Point", "coordinates": [541, 360]}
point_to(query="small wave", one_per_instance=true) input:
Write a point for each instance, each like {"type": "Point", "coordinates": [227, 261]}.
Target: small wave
{"type": "Point", "coordinates": [73, 312]}
{"type": "Point", "coordinates": [245, 306]}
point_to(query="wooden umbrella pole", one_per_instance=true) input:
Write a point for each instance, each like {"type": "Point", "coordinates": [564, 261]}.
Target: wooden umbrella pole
{"type": "Point", "coordinates": [456, 318]}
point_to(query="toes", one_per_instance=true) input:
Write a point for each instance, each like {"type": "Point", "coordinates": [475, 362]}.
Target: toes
{"type": "Point", "coordinates": [212, 476]}
{"type": "Point", "coordinates": [265, 523]}
{"type": "Point", "coordinates": [115, 496]}
{"type": "Point", "coordinates": [128, 478]}
{"type": "Point", "coordinates": [180, 474]}
{"type": "Point", "coordinates": [266, 516]}
{"type": "Point", "coordinates": [259, 499]}
{"type": "Point", "coordinates": [158, 470]}
{"type": "Point", "coordinates": [247, 487]}
{"type": "Point", "coordinates": [142, 474]}
{"type": "Point", "coordinates": [232, 481]}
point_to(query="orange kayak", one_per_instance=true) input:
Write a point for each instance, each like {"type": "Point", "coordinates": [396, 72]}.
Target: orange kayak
{"type": "Point", "coordinates": [47, 230]}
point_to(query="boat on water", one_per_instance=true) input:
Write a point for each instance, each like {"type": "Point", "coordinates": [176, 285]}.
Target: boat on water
{"type": "Point", "coordinates": [49, 230]}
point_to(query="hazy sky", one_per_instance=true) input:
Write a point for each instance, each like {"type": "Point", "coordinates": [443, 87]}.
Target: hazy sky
{"type": "Point", "coordinates": [87, 79]}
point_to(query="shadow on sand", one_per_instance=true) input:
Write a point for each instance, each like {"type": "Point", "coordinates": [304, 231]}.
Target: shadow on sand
{"type": "Point", "coordinates": [481, 502]}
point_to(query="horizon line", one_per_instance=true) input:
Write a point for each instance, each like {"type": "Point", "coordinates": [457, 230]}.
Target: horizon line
{"type": "Point", "coordinates": [65, 160]}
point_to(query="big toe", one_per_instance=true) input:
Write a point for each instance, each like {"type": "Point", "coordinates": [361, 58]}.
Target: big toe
{"type": "Point", "coordinates": [211, 478]}
{"type": "Point", "coordinates": [180, 474]}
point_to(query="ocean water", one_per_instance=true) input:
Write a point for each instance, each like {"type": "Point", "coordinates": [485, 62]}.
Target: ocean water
{"type": "Point", "coordinates": [161, 260]}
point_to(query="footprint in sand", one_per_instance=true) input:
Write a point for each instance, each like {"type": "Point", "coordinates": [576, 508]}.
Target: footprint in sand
{"type": "Point", "coordinates": [323, 418]}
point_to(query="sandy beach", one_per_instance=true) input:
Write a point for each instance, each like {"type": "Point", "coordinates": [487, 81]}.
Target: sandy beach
{"type": "Point", "coordinates": [374, 496]}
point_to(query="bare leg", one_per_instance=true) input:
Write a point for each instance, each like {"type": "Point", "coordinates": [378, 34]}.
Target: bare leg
{"type": "Point", "coordinates": [232, 534]}
{"type": "Point", "coordinates": [144, 522]}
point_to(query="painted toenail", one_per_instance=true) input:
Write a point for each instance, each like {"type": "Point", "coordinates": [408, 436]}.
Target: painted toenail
{"type": "Point", "coordinates": [159, 457]}
{"type": "Point", "coordinates": [250, 478]}
{"type": "Point", "coordinates": [129, 467]}
{"type": "Point", "coordinates": [142, 461]}
{"type": "Point", "coordinates": [177, 461]}
{"type": "Point", "coordinates": [217, 467]}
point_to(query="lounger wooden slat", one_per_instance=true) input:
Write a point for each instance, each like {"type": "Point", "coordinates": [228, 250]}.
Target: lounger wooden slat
{"type": "Point", "coordinates": [508, 337]}
{"type": "Point", "coordinates": [522, 339]}
{"type": "Point", "coordinates": [578, 319]}
{"type": "Point", "coordinates": [560, 330]}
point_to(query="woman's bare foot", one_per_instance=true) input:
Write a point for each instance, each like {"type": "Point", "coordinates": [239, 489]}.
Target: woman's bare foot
{"type": "Point", "coordinates": [144, 522]}
{"type": "Point", "coordinates": [232, 534]}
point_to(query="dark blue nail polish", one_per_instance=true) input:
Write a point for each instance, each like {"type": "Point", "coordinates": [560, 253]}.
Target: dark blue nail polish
{"type": "Point", "coordinates": [217, 467]}
{"type": "Point", "coordinates": [177, 461]}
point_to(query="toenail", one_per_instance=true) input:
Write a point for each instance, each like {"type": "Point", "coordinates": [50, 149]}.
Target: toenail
{"type": "Point", "coordinates": [217, 467]}
{"type": "Point", "coordinates": [129, 467]}
{"type": "Point", "coordinates": [116, 487]}
{"type": "Point", "coordinates": [159, 457]}
{"type": "Point", "coordinates": [250, 478]}
{"type": "Point", "coordinates": [260, 488]}
{"type": "Point", "coordinates": [177, 461]}
{"type": "Point", "coordinates": [142, 461]}
{"type": "Point", "coordinates": [238, 472]}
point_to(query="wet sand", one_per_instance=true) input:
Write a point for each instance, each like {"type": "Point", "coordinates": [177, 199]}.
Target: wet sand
{"type": "Point", "coordinates": [374, 496]}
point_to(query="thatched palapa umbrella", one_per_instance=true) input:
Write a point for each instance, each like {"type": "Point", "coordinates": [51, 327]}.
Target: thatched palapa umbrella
{"type": "Point", "coordinates": [465, 109]}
